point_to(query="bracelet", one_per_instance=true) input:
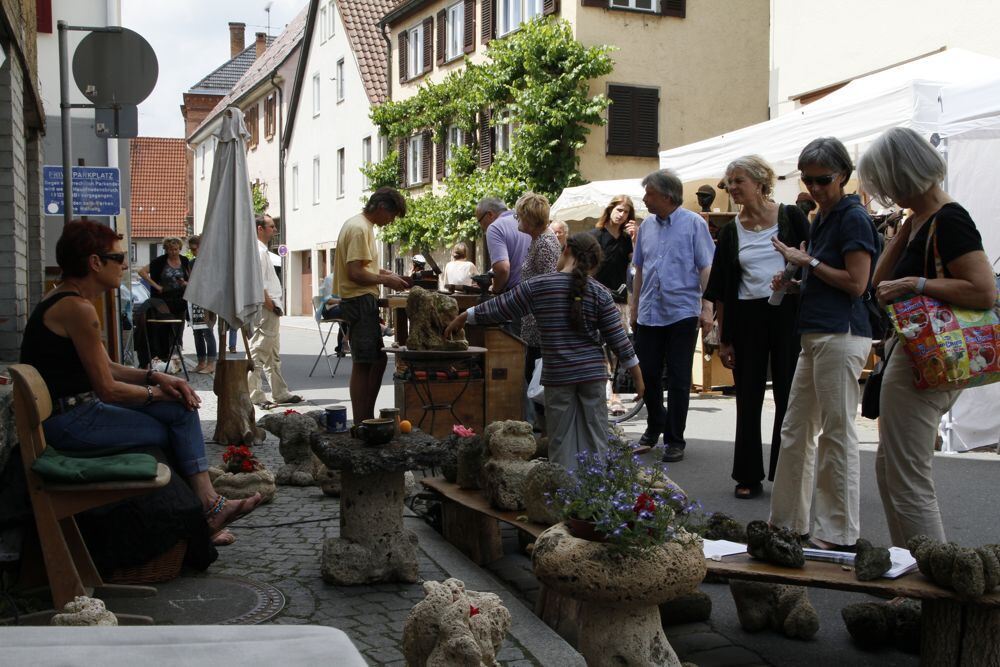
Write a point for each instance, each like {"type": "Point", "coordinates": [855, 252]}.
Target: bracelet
{"type": "Point", "coordinates": [149, 377]}
{"type": "Point", "coordinates": [149, 396]}
{"type": "Point", "coordinates": [921, 282]}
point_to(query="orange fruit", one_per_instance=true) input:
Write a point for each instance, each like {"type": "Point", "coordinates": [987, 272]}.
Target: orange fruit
{"type": "Point", "coordinates": [405, 426]}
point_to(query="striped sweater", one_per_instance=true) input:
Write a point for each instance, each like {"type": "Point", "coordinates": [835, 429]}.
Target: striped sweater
{"type": "Point", "coordinates": [569, 356]}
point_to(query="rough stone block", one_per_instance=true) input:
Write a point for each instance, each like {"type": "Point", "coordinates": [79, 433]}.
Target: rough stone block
{"type": "Point", "coordinates": [503, 483]}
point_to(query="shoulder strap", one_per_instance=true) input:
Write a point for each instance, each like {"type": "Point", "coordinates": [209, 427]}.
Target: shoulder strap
{"type": "Point", "coordinates": [932, 244]}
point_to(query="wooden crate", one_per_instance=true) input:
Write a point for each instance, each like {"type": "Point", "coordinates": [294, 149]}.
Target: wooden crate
{"type": "Point", "coordinates": [470, 408]}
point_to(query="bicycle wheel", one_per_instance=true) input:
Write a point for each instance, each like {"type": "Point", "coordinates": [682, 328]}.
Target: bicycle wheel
{"type": "Point", "coordinates": [621, 384]}
{"type": "Point", "coordinates": [631, 410]}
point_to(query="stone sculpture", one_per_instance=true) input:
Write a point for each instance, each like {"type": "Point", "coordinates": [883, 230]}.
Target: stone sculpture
{"type": "Point", "coordinates": [870, 562]}
{"type": "Point", "coordinates": [428, 314]}
{"type": "Point", "coordinates": [470, 453]}
{"type": "Point", "coordinates": [967, 571]}
{"type": "Point", "coordinates": [873, 625]}
{"type": "Point", "coordinates": [540, 485]}
{"type": "Point", "coordinates": [721, 526]}
{"type": "Point", "coordinates": [83, 610]}
{"type": "Point", "coordinates": [510, 445]}
{"type": "Point", "coordinates": [779, 546]}
{"type": "Point", "coordinates": [781, 608]}
{"type": "Point", "coordinates": [453, 626]}
{"type": "Point", "coordinates": [293, 430]}
{"type": "Point", "coordinates": [244, 484]}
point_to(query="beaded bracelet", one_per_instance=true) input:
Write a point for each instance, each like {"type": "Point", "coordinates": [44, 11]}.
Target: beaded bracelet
{"type": "Point", "coordinates": [149, 396]}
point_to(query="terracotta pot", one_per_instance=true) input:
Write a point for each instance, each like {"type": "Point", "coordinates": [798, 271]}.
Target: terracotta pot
{"type": "Point", "coordinates": [585, 530]}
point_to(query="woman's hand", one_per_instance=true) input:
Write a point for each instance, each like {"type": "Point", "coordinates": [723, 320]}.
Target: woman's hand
{"type": "Point", "coordinates": [779, 282]}
{"type": "Point", "coordinates": [797, 256]}
{"type": "Point", "coordinates": [631, 228]}
{"type": "Point", "coordinates": [456, 324]}
{"type": "Point", "coordinates": [176, 389]}
{"type": "Point", "coordinates": [727, 354]}
{"type": "Point", "coordinates": [891, 290]}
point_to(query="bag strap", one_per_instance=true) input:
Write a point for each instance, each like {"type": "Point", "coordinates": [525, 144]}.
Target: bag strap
{"type": "Point", "coordinates": [932, 244]}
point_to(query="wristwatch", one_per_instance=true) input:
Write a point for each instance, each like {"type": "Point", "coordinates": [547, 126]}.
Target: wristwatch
{"type": "Point", "coordinates": [814, 262]}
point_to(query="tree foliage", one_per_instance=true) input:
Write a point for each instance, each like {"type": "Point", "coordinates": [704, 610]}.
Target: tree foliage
{"type": "Point", "coordinates": [260, 202]}
{"type": "Point", "coordinates": [541, 75]}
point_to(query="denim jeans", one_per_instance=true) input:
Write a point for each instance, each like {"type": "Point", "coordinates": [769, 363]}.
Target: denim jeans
{"type": "Point", "coordinates": [204, 344]}
{"type": "Point", "coordinates": [104, 426]}
{"type": "Point", "coordinates": [232, 340]}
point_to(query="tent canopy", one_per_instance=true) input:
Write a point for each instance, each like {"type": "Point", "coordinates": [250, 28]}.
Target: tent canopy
{"type": "Point", "coordinates": [586, 202]}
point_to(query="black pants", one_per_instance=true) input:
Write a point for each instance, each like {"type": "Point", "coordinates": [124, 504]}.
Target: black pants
{"type": "Point", "coordinates": [673, 345]}
{"type": "Point", "coordinates": [761, 332]}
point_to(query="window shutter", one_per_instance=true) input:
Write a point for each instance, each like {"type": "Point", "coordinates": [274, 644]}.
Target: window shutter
{"type": "Point", "coordinates": [440, 156]}
{"type": "Point", "coordinates": [427, 145]}
{"type": "Point", "coordinates": [620, 114]}
{"type": "Point", "coordinates": [595, 3]}
{"type": "Point", "coordinates": [470, 135]}
{"type": "Point", "coordinates": [402, 163]}
{"type": "Point", "coordinates": [673, 8]}
{"type": "Point", "coordinates": [428, 43]}
{"type": "Point", "coordinates": [469, 39]}
{"type": "Point", "coordinates": [633, 121]}
{"type": "Point", "coordinates": [647, 116]}
{"type": "Point", "coordinates": [485, 139]}
{"type": "Point", "coordinates": [488, 16]}
{"type": "Point", "coordinates": [550, 7]}
{"type": "Point", "coordinates": [442, 35]}
{"type": "Point", "coordinates": [402, 56]}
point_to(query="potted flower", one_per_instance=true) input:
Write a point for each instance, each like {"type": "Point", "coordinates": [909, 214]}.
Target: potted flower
{"type": "Point", "coordinates": [627, 545]}
{"type": "Point", "coordinates": [242, 475]}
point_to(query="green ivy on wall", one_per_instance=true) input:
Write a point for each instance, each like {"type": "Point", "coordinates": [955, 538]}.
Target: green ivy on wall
{"type": "Point", "coordinates": [260, 202]}
{"type": "Point", "coordinates": [541, 74]}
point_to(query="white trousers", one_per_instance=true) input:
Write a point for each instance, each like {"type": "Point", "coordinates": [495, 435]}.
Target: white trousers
{"type": "Point", "coordinates": [908, 425]}
{"type": "Point", "coordinates": [265, 349]}
{"type": "Point", "coordinates": [824, 401]}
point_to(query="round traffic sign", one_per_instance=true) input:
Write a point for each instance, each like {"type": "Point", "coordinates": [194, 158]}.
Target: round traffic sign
{"type": "Point", "coordinates": [282, 250]}
{"type": "Point", "coordinates": [115, 67]}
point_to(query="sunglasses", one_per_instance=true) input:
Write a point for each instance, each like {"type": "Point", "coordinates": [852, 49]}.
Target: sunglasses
{"type": "Point", "coordinates": [818, 180]}
{"type": "Point", "coordinates": [479, 220]}
{"type": "Point", "coordinates": [113, 256]}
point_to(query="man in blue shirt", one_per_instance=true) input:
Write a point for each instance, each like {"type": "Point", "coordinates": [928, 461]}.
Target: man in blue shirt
{"type": "Point", "coordinates": [672, 257]}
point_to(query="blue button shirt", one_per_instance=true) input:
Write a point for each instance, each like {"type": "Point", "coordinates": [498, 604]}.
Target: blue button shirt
{"type": "Point", "coordinates": [671, 252]}
{"type": "Point", "coordinates": [824, 308]}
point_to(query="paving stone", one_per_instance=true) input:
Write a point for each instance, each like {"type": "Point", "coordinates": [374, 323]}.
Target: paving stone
{"type": "Point", "coordinates": [384, 655]}
{"type": "Point", "coordinates": [697, 641]}
{"type": "Point", "coordinates": [728, 656]}
{"type": "Point", "coordinates": [686, 629]}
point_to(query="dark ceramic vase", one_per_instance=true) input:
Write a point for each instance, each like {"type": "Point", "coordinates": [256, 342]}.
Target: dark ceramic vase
{"type": "Point", "coordinates": [585, 530]}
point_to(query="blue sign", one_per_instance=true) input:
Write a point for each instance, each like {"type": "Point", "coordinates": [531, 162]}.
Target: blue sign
{"type": "Point", "coordinates": [96, 190]}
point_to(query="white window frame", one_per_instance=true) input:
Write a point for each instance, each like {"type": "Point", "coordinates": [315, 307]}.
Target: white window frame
{"type": "Point", "coordinates": [533, 9]}
{"type": "Point", "coordinates": [332, 18]}
{"type": "Point", "coordinates": [366, 159]}
{"type": "Point", "coordinates": [341, 171]}
{"type": "Point", "coordinates": [512, 13]}
{"type": "Point", "coordinates": [415, 160]}
{"type": "Point", "coordinates": [654, 5]}
{"type": "Point", "coordinates": [295, 187]}
{"type": "Point", "coordinates": [456, 138]}
{"type": "Point", "coordinates": [504, 132]}
{"type": "Point", "coordinates": [317, 186]}
{"type": "Point", "coordinates": [455, 31]}
{"type": "Point", "coordinates": [315, 94]}
{"type": "Point", "coordinates": [340, 80]}
{"type": "Point", "coordinates": [415, 51]}
{"type": "Point", "coordinates": [323, 25]}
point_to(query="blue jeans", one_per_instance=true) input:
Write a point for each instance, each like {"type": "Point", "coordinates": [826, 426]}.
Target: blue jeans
{"type": "Point", "coordinates": [232, 340]}
{"type": "Point", "coordinates": [103, 426]}
{"type": "Point", "coordinates": [204, 344]}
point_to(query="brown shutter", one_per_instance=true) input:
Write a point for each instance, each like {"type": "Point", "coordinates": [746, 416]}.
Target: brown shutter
{"type": "Point", "coordinates": [428, 155]}
{"type": "Point", "coordinates": [402, 163]}
{"type": "Point", "coordinates": [402, 56]}
{"type": "Point", "coordinates": [440, 157]}
{"type": "Point", "coordinates": [621, 138]}
{"type": "Point", "coordinates": [442, 35]}
{"type": "Point", "coordinates": [488, 16]}
{"type": "Point", "coordinates": [550, 7]}
{"type": "Point", "coordinates": [428, 43]}
{"type": "Point", "coordinates": [469, 39]}
{"type": "Point", "coordinates": [676, 8]}
{"type": "Point", "coordinates": [647, 116]}
{"type": "Point", "coordinates": [595, 3]}
{"type": "Point", "coordinates": [485, 139]}
{"type": "Point", "coordinates": [470, 135]}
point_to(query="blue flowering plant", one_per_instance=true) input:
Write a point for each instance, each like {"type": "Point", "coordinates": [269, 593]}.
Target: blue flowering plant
{"type": "Point", "coordinates": [632, 507]}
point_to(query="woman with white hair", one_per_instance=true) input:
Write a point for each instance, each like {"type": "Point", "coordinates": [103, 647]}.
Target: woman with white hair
{"type": "Point", "coordinates": [904, 168]}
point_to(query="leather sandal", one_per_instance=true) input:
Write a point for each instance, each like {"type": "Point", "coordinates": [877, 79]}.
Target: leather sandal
{"type": "Point", "coordinates": [748, 491]}
{"type": "Point", "coordinates": [217, 519]}
{"type": "Point", "coordinates": [223, 538]}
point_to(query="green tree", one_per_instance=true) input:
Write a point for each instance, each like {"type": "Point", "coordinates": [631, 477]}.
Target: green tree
{"type": "Point", "coordinates": [260, 202]}
{"type": "Point", "coordinates": [541, 76]}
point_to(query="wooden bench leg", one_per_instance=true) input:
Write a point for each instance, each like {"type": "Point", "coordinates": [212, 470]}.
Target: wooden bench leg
{"type": "Point", "coordinates": [474, 534]}
{"type": "Point", "coordinates": [81, 556]}
{"type": "Point", "coordinates": [560, 613]}
{"type": "Point", "coordinates": [956, 633]}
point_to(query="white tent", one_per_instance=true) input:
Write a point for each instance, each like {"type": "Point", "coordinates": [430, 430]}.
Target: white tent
{"type": "Point", "coordinates": [585, 202]}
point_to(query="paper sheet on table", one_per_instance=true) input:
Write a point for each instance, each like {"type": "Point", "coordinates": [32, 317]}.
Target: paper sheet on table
{"type": "Point", "coordinates": [902, 563]}
{"type": "Point", "coordinates": [716, 549]}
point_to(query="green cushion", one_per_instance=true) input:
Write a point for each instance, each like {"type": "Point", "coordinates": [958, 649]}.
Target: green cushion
{"type": "Point", "coordinates": [64, 468]}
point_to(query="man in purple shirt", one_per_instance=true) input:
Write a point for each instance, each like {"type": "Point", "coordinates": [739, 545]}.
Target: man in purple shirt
{"type": "Point", "coordinates": [506, 244]}
{"type": "Point", "coordinates": [672, 257]}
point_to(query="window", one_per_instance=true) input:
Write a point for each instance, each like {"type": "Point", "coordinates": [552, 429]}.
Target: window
{"type": "Point", "coordinates": [323, 26]}
{"type": "Point", "coordinates": [366, 158]}
{"type": "Point", "coordinates": [415, 52]}
{"type": "Point", "coordinates": [316, 182]}
{"type": "Point", "coordinates": [341, 171]}
{"type": "Point", "coordinates": [511, 13]}
{"type": "Point", "coordinates": [455, 31]}
{"type": "Point", "coordinates": [633, 121]}
{"type": "Point", "coordinates": [340, 80]}
{"type": "Point", "coordinates": [295, 187]}
{"type": "Point", "coordinates": [505, 131]}
{"type": "Point", "coordinates": [676, 8]}
{"type": "Point", "coordinates": [332, 19]}
{"type": "Point", "coordinates": [642, 5]}
{"type": "Point", "coordinates": [253, 125]}
{"type": "Point", "coordinates": [133, 253]}
{"type": "Point", "coordinates": [270, 115]}
{"type": "Point", "coordinates": [316, 94]}
{"type": "Point", "coordinates": [414, 168]}
{"type": "Point", "coordinates": [456, 138]}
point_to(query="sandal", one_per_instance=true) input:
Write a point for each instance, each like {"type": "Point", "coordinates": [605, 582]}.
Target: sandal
{"type": "Point", "coordinates": [267, 405]}
{"type": "Point", "coordinates": [617, 409]}
{"type": "Point", "coordinates": [748, 491]}
{"type": "Point", "coordinates": [223, 538]}
{"type": "Point", "coordinates": [218, 518]}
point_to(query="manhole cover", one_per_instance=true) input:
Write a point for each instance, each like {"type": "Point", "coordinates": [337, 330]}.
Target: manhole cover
{"type": "Point", "coordinates": [210, 600]}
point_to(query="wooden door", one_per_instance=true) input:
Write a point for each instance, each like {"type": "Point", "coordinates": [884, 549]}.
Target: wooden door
{"type": "Point", "coordinates": [306, 285]}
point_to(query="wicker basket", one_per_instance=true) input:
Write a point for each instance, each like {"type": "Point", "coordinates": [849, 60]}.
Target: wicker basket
{"type": "Point", "coordinates": [164, 567]}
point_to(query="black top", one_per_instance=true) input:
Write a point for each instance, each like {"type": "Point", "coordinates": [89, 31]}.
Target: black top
{"type": "Point", "coordinates": [614, 265]}
{"type": "Point", "coordinates": [724, 280]}
{"type": "Point", "coordinates": [156, 268]}
{"type": "Point", "coordinates": [956, 235]}
{"type": "Point", "coordinates": [824, 308]}
{"type": "Point", "coordinates": [53, 356]}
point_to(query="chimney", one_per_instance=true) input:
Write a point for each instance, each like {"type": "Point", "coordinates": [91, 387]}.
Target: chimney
{"type": "Point", "coordinates": [236, 36]}
{"type": "Point", "coordinates": [261, 43]}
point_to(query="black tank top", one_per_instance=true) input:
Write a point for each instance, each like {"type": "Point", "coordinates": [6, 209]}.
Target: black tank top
{"type": "Point", "coordinates": [52, 355]}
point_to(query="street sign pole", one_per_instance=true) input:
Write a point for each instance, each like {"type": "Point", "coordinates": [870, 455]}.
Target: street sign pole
{"type": "Point", "coordinates": [64, 111]}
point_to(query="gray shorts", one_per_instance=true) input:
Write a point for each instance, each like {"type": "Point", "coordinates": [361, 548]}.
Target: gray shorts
{"type": "Point", "coordinates": [365, 330]}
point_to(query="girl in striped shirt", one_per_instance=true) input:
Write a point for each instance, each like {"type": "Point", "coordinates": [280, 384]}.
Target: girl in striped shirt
{"type": "Point", "coordinates": [574, 314]}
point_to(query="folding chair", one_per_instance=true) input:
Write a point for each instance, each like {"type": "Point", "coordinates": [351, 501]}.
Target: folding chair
{"type": "Point", "coordinates": [68, 566]}
{"type": "Point", "coordinates": [325, 337]}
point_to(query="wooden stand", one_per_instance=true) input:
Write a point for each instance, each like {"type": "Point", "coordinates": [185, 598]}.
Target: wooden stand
{"type": "Point", "coordinates": [236, 422]}
{"type": "Point", "coordinates": [708, 376]}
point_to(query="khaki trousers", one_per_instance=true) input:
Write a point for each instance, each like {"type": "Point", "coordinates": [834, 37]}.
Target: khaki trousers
{"type": "Point", "coordinates": [823, 400]}
{"type": "Point", "coordinates": [908, 425]}
{"type": "Point", "coordinates": [576, 416]}
{"type": "Point", "coordinates": [264, 349]}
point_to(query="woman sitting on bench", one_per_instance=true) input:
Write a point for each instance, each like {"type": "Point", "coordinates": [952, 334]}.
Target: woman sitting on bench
{"type": "Point", "coordinates": [98, 404]}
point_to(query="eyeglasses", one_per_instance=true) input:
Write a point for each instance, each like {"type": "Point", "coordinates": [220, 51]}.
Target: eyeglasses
{"type": "Point", "coordinates": [824, 180]}
{"type": "Point", "coordinates": [479, 220]}
{"type": "Point", "coordinates": [113, 256]}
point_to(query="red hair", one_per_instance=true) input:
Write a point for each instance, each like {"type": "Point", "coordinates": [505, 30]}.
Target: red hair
{"type": "Point", "coordinates": [81, 239]}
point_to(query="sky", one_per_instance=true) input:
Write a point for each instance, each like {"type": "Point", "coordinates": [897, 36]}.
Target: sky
{"type": "Point", "coordinates": [191, 38]}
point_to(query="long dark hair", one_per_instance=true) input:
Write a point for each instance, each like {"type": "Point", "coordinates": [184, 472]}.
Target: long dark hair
{"type": "Point", "coordinates": [586, 252]}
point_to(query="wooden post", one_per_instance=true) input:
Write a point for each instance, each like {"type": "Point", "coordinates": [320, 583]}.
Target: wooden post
{"type": "Point", "coordinates": [474, 534]}
{"type": "Point", "coordinates": [235, 423]}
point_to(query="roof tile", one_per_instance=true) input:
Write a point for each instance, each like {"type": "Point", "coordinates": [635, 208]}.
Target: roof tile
{"type": "Point", "coordinates": [361, 19]}
{"type": "Point", "coordinates": [159, 199]}
{"type": "Point", "coordinates": [225, 76]}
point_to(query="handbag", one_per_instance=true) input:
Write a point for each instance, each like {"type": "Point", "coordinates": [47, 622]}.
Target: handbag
{"type": "Point", "coordinates": [873, 388]}
{"type": "Point", "coordinates": [950, 348]}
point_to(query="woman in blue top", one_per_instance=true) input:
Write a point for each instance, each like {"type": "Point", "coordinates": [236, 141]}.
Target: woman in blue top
{"type": "Point", "coordinates": [836, 339]}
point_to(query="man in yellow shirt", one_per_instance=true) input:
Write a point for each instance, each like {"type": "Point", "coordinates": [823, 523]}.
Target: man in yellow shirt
{"type": "Point", "coordinates": [356, 278]}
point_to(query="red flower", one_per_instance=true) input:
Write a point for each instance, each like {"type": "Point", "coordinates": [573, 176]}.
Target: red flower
{"type": "Point", "coordinates": [290, 411]}
{"type": "Point", "coordinates": [247, 465]}
{"type": "Point", "coordinates": [473, 611]}
{"type": "Point", "coordinates": [644, 502]}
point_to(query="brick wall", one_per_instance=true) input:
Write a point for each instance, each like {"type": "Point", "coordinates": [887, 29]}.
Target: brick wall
{"type": "Point", "coordinates": [13, 209]}
{"type": "Point", "coordinates": [36, 221]}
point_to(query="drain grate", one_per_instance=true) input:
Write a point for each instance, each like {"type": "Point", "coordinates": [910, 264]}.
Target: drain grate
{"type": "Point", "coordinates": [206, 600]}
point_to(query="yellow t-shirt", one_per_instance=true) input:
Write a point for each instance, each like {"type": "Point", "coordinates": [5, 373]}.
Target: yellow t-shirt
{"type": "Point", "coordinates": [355, 243]}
